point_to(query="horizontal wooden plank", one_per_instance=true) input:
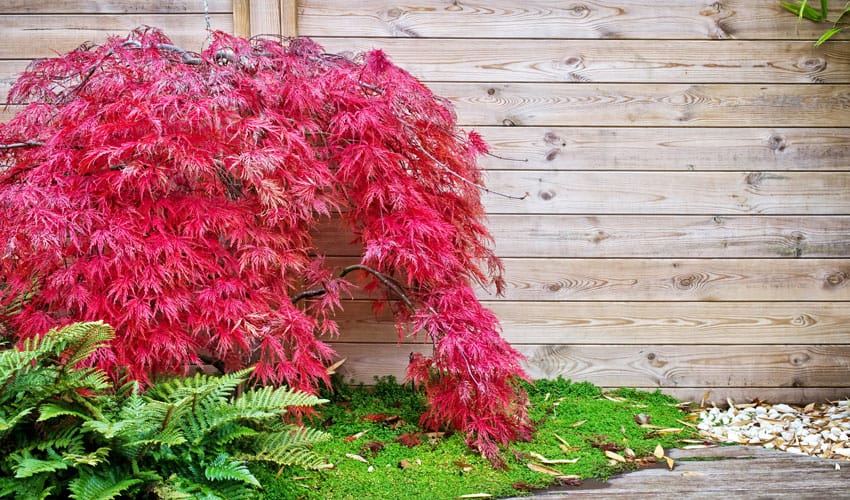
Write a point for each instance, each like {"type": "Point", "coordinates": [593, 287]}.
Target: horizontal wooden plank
{"type": "Point", "coordinates": [685, 193]}
{"type": "Point", "coordinates": [610, 61]}
{"type": "Point", "coordinates": [684, 280]}
{"type": "Point", "coordinates": [770, 394]}
{"type": "Point", "coordinates": [640, 323]}
{"type": "Point", "coordinates": [649, 366]}
{"type": "Point", "coordinates": [8, 7]}
{"type": "Point", "coordinates": [677, 280]}
{"type": "Point", "coordinates": [651, 105]}
{"type": "Point", "coordinates": [30, 36]}
{"type": "Point", "coordinates": [678, 19]}
{"type": "Point", "coordinates": [643, 236]}
{"type": "Point", "coordinates": [650, 148]}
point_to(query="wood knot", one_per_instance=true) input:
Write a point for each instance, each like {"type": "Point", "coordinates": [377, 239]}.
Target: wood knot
{"type": "Point", "coordinates": [579, 10]}
{"type": "Point", "coordinates": [803, 320]}
{"type": "Point", "coordinates": [554, 287]}
{"type": "Point", "coordinates": [491, 91]}
{"type": "Point", "coordinates": [650, 356]}
{"type": "Point", "coordinates": [754, 178]}
{"type": "Point", "coordinates": [395, 13]}
{"type": "Point", "coordinates": [776, 143]}
{"type": "Point", "coordinates": [552, 154]}
{"type": "Point", "coordinates": [813, 64]}
{"type": "Point", "coordinates": [572, 61]}
{"type": "Point", "coordinates": [507, 122]}
{"type": "Point", "coordinates": [836, 279]}
{"type": "Point", "coordinates": [800, 358]}
{"type": "Point", "coordinates": [546, 195]}
{"type": "Point", "coordinates": [552, 138]}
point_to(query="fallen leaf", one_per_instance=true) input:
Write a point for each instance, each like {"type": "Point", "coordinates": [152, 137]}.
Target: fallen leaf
{"type": "Point", "coordinates": [687, 424]}
{"type": "Point", "coordinates": [562, 440]}
{"type": "Point", "coordinates": [659, 451]}
{"type": "Point", "coordinates": [465, 467]}
{"type": "Point", "coordinates": [670, 462]}
{"type": "Point", "coordinates": [642, 419]}
{"type": "Point", "coordinates": [476, 495]}
{"type": "Point", "coordinates": [704, 399]}
{"type": "Point", "coordinates": [403, 464]}
{"type": "Point", "coordinates": [692, 473]}
{"type": "Point", "coordinates": [613, 398]}
{"type": "Point", "coordinates": [669, 430]}
{"type": "Point", "coordinates": [809, 407]}
{"type": "Point", "coordinates": [409, 439]}
{"type": "Point", "coordinates": [561, 461]}
{"type": "Point", "coordinates": [698, 446]}
{"type": "Point", "coordinates": [356, 436]}
{"type": "Point", "coordinates": [615, 456]}
{"type": "Point", "coordinates": [629, 453]}
{"type": "Point", "coordinates": [356, 457]}
{"type": "Point", "coordinates": [580, 422]}
{"type": "Point", "coordinates": [332, 369]}
{"type": "Point", "coordinates": [545, 470]}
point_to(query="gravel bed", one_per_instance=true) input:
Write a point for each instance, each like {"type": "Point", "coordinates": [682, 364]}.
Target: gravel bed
{"type": "Point", "coordinates": [821, 430]}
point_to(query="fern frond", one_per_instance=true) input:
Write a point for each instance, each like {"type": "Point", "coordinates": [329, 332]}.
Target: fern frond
{"type": "Point", "coordinates": [102, 486]}
{"type": "Point", "coordinates": [202, 386]}
{"type": "Point", "coordinates": [12, 363]}
{"type": "Point", "coordinates": [53, 410]}
{"type": "Point", "coordinates": [226, 434]}
{"type": "Point", "coordinates": [7, 424]}
{"type": "Point", "coordinates": [92, 459]}
{"type": "Point", "coordinates": [294, 436]}
{"type": "Point", "coordinates": [223, 468]}
{"type": "Point", "coordinates": [62, 438]}
{"type": "Point", "coordinates": [276, 398]}
{"type": "Point", "coordinates": [300, 457]}
{"type": "Point", "coordinates": [27, 466]}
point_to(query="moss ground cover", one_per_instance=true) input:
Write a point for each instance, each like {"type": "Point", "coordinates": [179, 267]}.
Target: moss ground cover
{"type": "Point", "coordinates": [379, 452]}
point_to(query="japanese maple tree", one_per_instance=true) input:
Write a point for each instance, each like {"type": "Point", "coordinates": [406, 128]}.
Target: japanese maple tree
{"type": "Point", "coordinates": [173, 195]}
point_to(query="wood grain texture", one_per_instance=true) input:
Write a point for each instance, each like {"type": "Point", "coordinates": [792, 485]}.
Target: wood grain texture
{"type": "Point", "coordinates": [289, 17]}
{"type": "Point", "coordinates": [640, 323]}
{"type": "Point", "coordinates": [242, 18]}
{"type": "Point", "coordinates": [668, 280]}
{"type": "Point", "coordinates": [677, 279]}
{"type": "Point", "coordinates": [61, 33]}
{"type": "Point", "coordinates": [112, 6]}
{"type": "Point", "coordinates": [650, 105]}
{"type": "Point", "coordinates": [686, 193]}
{"type": "Point", "coordinates": [265, 17]}
{"type": "Point", "coordinates": [651, 148]}
{"type": "Point", "coordinates": [722, 472]}
{"type": "Point", "coordinates": [649, 366]}
{"type": "Point", "coordinates": [644, 236]}
{"type": "Point", "coordinates": [610, 61]}
{"type": "Point", "coordinates": [620, 19]}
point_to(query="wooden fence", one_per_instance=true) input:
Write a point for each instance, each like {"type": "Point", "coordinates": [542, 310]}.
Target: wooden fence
{"type": "Point", "coordinates": [688, 224]}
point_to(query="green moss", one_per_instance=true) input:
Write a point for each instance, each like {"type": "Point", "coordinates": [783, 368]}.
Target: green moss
{"type": "Point", "coordinates": [443, 467]}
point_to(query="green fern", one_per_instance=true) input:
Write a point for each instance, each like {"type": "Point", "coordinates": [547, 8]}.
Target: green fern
{"type": "Point", "coordinates": [103, 486]}
{"type": "Point", "coordinates": [198, 432]}
{"type": "Point", "coordinates": [223, 468]}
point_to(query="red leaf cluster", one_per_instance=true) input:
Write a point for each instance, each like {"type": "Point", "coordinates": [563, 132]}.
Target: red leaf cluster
{"type": "Point", "coordinates": [172, 194]}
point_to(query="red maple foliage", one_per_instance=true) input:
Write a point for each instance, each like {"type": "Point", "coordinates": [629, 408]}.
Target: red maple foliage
{"type": "Point", "coordinates": [173, 194]}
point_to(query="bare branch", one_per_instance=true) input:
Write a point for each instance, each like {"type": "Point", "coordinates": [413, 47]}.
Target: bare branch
{"type": "Point", "coordinates": [385, 280]}
{"type": "Point", "coordinates": [451, 172]}
{"type": "Point", "coordinates": [25, 144]}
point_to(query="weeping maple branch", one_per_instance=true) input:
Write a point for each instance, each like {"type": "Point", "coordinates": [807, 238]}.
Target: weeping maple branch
{"type": "Point", "coordinates": [385, 280]}
{"type": "Point", "coordinates": [25, 144]}
{"type": "Point", "coordinates": [447, 169]}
